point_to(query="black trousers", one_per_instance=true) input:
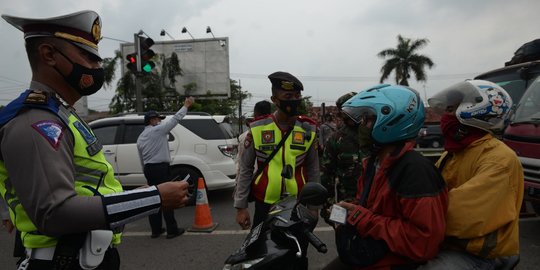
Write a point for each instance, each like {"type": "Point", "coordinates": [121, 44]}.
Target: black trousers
{"type": "Point", "coordinates": [157, 173]}
{"type": "Point", "coordinates": [111, 261]}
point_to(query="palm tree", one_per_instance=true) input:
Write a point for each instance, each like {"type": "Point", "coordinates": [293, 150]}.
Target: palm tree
{"type": "Point", "coordinates": [404, 59]}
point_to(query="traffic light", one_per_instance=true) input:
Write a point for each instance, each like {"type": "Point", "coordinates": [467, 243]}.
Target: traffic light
{"type": "Point", "coordinates": [132, 62]}
{"type": "Point", "coordinates": [146, 54]}
{"type": "Point", "coordinates": [140, 62]}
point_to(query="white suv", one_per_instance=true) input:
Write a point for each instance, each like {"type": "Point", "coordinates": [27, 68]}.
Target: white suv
{"type": "Point", "coordinates": [201, 146]}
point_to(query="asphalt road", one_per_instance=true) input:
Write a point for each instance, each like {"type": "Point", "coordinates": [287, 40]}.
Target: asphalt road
{"type": "Point", "coordinates": [209, 250]}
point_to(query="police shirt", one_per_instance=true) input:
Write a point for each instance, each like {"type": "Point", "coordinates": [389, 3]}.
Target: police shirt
{"type": "Point", "coordinates": [41, 169]}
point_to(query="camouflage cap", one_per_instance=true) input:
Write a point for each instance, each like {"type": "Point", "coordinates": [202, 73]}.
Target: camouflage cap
{"type": "Point", "coordinates": [82, 28]}
{"type": "Point", "coordinates": [285, 81]}
{"type": "Point", "coordinates": [344, 98]}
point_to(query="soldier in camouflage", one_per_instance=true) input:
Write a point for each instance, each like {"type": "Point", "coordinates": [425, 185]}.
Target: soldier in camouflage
{"type": "Point", "coordinates": [341, 162]}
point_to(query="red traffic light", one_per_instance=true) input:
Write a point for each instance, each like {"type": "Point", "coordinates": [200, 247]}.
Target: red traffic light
{"type": "Point", "coordinates": [132, 58]}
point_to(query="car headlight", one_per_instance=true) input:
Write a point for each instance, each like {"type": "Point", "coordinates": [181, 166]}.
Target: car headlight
{"type": "Point", "coordinates": [242, 265]}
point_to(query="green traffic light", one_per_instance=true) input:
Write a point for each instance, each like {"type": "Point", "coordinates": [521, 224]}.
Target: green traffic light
{"type": "Point", "coordinates": [147, 67]}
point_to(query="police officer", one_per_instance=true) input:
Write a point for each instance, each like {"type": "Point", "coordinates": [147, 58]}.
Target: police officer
{"type": "Point", "coordinates": [341, 162]}
{"type": "Point", "coordinates": [59, 187]}
{"type": "Point", "coordinates": [281, 168]}
{"type": "Point", "coordinates": [153, 147]}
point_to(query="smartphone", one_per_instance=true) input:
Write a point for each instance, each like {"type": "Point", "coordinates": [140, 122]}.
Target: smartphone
{"type": "Point", "coordinates": [338, 214]}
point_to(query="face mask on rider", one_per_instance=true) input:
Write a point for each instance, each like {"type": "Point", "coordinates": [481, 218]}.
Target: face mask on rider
{"type": "Point", "coordinates": [289, 107]}
{"type": "Point", "coordinates": [86, 81]}
{"type": "Point", "coordinates": [365, 140]}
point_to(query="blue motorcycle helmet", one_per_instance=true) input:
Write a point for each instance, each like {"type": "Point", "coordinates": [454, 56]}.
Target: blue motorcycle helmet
{"type": "Point", "coordinates": [398, 112]}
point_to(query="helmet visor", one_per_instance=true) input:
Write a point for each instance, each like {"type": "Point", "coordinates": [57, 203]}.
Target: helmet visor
{"type": "Point", "coordinates": [450, 98]}
{"type": "Point", "coordinates": [360, 115]}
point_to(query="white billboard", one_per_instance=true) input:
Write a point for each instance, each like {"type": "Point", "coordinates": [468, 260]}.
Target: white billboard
{"type": "Point", "coordinates": [203, 61]}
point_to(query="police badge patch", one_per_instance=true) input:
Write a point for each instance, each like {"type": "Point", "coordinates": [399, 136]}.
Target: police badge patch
{"type": "Point", "coordinates": [267, 136]}
{"type": "Point", "coordinates": [51, 131]}
{"type": "Point", "coordinates": [298, 137]}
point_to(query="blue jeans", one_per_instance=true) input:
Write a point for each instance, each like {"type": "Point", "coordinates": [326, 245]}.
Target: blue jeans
{"type": "Point", "coordinates": [456, 260]}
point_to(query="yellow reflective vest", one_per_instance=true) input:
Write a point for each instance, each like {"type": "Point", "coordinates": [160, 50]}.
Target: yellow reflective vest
{"type": "Point", "coordinates": [289, 159]}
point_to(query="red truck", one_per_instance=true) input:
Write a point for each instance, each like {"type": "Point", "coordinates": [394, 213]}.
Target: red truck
{"type": "Point", "coordinates": [520, 78]}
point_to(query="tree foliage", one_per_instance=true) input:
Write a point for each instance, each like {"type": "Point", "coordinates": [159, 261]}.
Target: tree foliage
{"type": "Point", "coordinates": [404, 59]}
{"type": "Point", "coordinates": [219, 106]}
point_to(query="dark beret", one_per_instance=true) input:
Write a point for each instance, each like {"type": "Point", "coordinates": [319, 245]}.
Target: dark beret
{"type": "Point", "coordinates": [285, 81]}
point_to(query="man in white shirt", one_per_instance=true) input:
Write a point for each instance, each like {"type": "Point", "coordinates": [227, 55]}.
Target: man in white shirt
{"type": "Point", "coordinates": [155, 157]}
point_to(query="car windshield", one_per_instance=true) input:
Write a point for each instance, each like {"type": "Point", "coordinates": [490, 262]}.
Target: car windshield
{"type": "Point", "coordinates": [528, 109]}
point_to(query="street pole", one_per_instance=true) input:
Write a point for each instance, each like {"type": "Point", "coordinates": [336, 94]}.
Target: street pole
{"type": "Point", "coordinates": [138, 94]}
{"type": "Point", "coordinates": [240, 127]}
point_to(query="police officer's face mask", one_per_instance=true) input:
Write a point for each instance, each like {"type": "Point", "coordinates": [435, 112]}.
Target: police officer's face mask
{"type": "Point", "coordinates": [86, 81]}
{"type": "Point", "coordinates": [289, 107]}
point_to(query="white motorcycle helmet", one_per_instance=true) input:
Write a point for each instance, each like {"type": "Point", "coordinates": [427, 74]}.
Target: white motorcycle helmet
{"type": "Point", "coordinates": [481, 104]}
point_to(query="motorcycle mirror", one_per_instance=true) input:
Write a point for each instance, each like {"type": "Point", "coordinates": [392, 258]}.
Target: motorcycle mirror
{"type": "Point", "coordinates": [313, 194]}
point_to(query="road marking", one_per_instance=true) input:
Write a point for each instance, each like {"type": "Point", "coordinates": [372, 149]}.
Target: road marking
{"type": "Point", "coordinates": [219, 232]}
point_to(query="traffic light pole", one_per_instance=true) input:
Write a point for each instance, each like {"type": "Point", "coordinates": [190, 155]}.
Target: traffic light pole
{"type": "Point", "coordinates": [138, 94]}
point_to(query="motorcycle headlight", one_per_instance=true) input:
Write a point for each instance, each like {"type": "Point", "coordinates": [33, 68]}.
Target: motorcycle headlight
{"type": "Point", "coordinates": [242, 265]}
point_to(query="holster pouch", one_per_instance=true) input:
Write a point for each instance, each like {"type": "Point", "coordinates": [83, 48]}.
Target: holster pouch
{"type": "Point", "coordinates": [93, 250]}
{"type": "Point", "coordinates": [65, 253]}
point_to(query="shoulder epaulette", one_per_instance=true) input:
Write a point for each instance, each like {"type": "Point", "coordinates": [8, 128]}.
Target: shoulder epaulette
{"type": "Point", "coordinates": [303, 118]}
{"type": "Point", "coordinates": [261, 117]}
{"type": "Point", "coordinates": [38, 97]}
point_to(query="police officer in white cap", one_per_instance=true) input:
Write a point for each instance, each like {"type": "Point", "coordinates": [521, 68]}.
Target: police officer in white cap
{"type": "Point", "coordinates": [59, 187]}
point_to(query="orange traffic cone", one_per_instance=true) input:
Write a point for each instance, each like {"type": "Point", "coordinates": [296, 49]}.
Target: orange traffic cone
{"type": "Point", "coordinates": [203, 219]}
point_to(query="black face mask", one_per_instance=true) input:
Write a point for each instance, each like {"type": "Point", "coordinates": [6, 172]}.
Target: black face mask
{"type": "Point", "coordinates": [289, 107]}
{"type": "Point", "coordinates": [86, 81]}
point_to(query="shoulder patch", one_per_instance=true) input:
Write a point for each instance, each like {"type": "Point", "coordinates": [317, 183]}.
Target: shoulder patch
{"type": "Point", "coordinates": [52, 131]}
{"type": "Point", "coordinates": [248, 140]}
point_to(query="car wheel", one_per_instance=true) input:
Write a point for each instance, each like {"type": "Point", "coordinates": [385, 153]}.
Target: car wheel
{"type": "Point", "coordinates": [435, 144]}
{"type": "Point", "coordinates": [181, 173]}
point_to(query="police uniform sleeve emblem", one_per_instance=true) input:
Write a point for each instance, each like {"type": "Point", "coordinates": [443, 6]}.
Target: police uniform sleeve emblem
{"type": "Point", "coordinates": [248, 140]}
{"type": "Point", "coordinates": [50, 130]}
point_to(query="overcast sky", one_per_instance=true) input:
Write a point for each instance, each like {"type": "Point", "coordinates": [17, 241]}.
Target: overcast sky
{"type": "Point", "coordinates": [331, 46]}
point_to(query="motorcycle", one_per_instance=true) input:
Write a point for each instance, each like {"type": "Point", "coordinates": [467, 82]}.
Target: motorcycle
{"type": "Point", "coordinates": [281, 241]}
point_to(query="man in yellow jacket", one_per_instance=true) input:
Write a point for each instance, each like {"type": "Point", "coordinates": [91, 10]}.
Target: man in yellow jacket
{"type": "Point", "coordinates": [484, 177]}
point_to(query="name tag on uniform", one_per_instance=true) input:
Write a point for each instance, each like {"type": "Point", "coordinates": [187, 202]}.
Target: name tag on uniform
{"type": "Point", "coordinates": [94, 146]}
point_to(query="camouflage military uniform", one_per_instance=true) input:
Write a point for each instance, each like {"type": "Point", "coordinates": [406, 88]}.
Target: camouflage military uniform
{"type": "Point", "coordinates": [341, 165]}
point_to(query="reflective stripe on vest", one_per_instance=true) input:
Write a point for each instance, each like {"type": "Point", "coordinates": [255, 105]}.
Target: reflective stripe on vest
{"type": "Point", "coordinates": [92, 173]}
{"type": "Point", "coordinates": [266, 136]}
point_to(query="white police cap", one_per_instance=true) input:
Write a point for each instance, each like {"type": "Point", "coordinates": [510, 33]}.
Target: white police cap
{"type": "Point", "coordinates": [82, 28]}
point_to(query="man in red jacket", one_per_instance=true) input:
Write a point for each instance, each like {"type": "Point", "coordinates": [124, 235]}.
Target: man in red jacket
{"type": "Point", "coordinates": [401, 196]}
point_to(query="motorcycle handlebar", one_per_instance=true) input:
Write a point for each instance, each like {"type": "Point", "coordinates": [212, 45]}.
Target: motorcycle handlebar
{"type": "Point", "coordinates": [316, 242]}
